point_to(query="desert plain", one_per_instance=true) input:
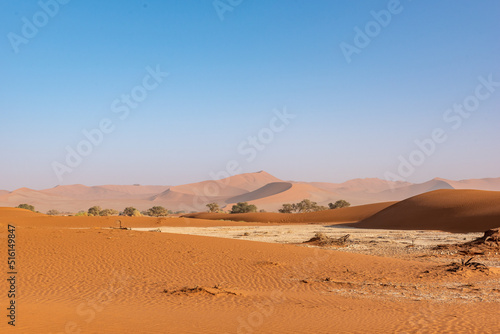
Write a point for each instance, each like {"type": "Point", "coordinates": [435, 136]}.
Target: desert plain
{"type": "Point", "coordinates": [418, 265]}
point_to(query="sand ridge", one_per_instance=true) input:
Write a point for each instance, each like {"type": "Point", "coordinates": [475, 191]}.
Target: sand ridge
{"type": "Point", "coordinates": [262, 189]}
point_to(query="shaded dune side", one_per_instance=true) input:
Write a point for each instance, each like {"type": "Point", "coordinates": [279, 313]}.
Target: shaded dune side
{"type": "Point", "coordinates": [446, 210]}
{"type": "Point", "coordinates": [266, 191]}
{"type": "Point", "coordinates": [351, 214]}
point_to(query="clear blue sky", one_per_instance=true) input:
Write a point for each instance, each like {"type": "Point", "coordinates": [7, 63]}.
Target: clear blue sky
{"type": "Point", "coordinates": [227, 76]}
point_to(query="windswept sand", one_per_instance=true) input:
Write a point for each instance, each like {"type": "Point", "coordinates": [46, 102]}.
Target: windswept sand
{"type": "Point", "coordinates": [445, 210]}
{"type": "Point", "coordinates": [101, 280]}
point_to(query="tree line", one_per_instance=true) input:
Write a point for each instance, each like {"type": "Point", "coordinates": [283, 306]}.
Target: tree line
{"type": "Point", "coordinates": [305, 205]}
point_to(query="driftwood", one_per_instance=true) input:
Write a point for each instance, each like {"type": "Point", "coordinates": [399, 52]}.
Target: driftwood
{"type": "Point", "coordinates": [467, 264]}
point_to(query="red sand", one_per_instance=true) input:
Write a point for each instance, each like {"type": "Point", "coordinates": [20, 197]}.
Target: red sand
{"type": "Point", "coordinates": [97, 280]}
{"type": "Point", "coordinates": [445, 210]}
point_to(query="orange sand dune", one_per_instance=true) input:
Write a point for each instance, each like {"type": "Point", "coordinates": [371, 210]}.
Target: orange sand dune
{"type": "Point", "coordinates": [361, 186]}
{"type": "Point", "coordinates": [351, 214]}
{"type": "Point", "coordinates": [230, 186]}
{"type": "Point", "coordinates": [446, 210]}
{"type": "Point", "coordinates": [82, 192]}
{"type": "Point", "coordinates": [93, 280]}
{"type": "Point", "coordinates": [16, 213]}
{"type": "Point", "coordinates": [266, 191]}
{"type": "Point", "coordinates": [261, 189]}
{"type": "Point", "coordinates": [278, 193]}
{"type": "Point", "coordinates": [413, 190]}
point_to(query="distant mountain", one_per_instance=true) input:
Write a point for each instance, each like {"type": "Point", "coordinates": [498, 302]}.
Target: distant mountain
{"type": "Point", "coordinates": [262, 189]}
{"type": "Point", "coordinates": [491, 184]}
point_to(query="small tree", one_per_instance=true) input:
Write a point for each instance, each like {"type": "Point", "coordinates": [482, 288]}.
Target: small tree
{"type": "Point", "coordinates": [243, 207]}
{"type": "Point", "coordinates": [26, 207]}
{"type": "Point", "coordinates": [339, 204]}
{"type": "Point", "coordinates": [157, 211]}
{"type": "Point", "coordinates": [213, 207]}
{"type": "Point", "coordinates": [306, 205]}
{"type": "Point", "coordinates": [94, 211]}
{"type": "Point", "coordinates": [108, 212]}
{"type": "Point", "coordinates": [129, 211]}
{"type": "Point", "coordinates": [287, 208]}
{"type": "Point", "coordinates": [53, 212]}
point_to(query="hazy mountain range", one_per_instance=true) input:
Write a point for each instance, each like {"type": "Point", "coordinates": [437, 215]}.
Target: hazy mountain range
{"type": "Point", "coordinates": [262, 189]}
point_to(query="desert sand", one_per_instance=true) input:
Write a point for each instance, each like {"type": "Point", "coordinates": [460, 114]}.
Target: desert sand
{"type": "Point", "coordinates": [82, 275]}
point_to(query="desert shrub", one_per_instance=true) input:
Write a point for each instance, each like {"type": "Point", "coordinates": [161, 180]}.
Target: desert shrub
{"type": "Point", "coordinates": [27, 207]}
{"type": "Point", "coordinates": [157, 211]}
{"type": "Point", "coordinates": [213, 207]}
{"type": "Point", "coordinates": [243, 207]}
{"type": "Point", "coordinates": [129, 211]}
{"type": "Point", "coordinates": [287, 208]}
{"type": "Point", "coordinates": [108, 212]}
{"type": "Point", "coordinates": [306, 205]}
{"type": "Point", "coordinates": [339, 204]}
{"type": "Point", "coordinates": [81, 213]}
{"type": "Point", "coordinates": [53, 212]}
{"type": "Point", "coordinates": [94, 211]}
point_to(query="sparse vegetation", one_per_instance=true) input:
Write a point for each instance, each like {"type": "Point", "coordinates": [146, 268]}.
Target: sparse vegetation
{"type": "Point", "coordinates": [157, 211]}
{"type": "Point", "coordinates": [339, 204]}
{"type": "Point", "coordinates": [108, 212]}
{"type": "Point", "coordinates": [53, 212]}
{"type": "Point", "coordinates": [81, 213]}
{"type": "Point", "coordinates": [94, 211]}
{"type": "Point", "coordinates": [306, 205]}
{"type": "Point", "coordinates": [213, 207]}
{"type": "Point", "coordinates": [27, 207]}
{"type": "Point", "coordinates": [287, 208]}
{"type": "Point", "coordinates": [243, 207]}
{"type": "Point", "coordinates": [131, 212]}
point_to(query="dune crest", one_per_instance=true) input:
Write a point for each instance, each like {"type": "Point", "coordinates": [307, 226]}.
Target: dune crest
{"type": "Point", "coordinates": [446, 210]}
{"type": "Point", "coordinates": [264, 190]}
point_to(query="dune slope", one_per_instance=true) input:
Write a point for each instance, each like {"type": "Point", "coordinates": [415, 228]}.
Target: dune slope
{"type": "Point", "coordinates": [446, 210]}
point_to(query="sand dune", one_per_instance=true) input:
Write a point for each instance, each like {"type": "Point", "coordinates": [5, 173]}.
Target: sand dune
{"type": "Point", "coordinates": [446, 210]}
{"type": "Point", "coordinates": [6, 212]}
{"type": "Point", "coordinates": [80, 277]}
{"type": "Point", "coordinates": [413, 190]}
{"type": "Point", "coordinates": [261, 189]}
{"type": "Point", "coordinates": [360, 186]}
{"type": "Point", "coordinates": [26, 195]}
{"type": "Point", "coordinates": [266, 191]}
{"type": "Point", "coordinates": [82, 192]}
{"type": "Point", "coordinates": [491, 184]}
